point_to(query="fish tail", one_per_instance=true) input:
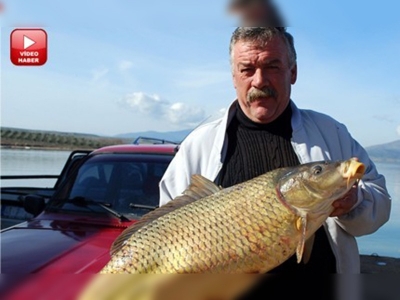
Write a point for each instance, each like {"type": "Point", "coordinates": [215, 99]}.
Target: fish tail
{"type": "Point", "coordinates": [167, 287]}
{"type": "Point", "coordinates": [120, 287]}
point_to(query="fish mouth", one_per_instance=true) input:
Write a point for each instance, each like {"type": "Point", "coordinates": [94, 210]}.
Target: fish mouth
{"type": "Point", "coordinates": [354, 170]}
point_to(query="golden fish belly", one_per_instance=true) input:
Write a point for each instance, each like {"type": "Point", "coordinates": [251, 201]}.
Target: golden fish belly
{"type": "Point", "coordinates": [243, 229]}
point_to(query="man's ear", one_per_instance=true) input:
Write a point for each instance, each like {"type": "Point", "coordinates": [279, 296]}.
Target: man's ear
{"type": "Point", "coordinates": [293, 72]}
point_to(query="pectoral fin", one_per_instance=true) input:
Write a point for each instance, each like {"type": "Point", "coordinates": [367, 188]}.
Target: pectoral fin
{"type": "Point", "coordinates": [308, 249]}
{"type": "Point", "coordinates": [301, 225]}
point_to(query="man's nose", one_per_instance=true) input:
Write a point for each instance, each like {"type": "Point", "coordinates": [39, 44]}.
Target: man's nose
{"type": "Point", "coordinates": [260, 79]}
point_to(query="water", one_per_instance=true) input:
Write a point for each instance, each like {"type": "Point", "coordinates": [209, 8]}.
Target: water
{"type": "Point", "coordinates": [31, 162]}
{"type": "Point", "coordinates": [384, 242]}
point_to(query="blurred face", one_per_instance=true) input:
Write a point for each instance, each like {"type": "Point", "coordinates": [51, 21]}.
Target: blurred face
{"type": "Point", "coordinates": [262, 78]}
{"type": "Point", "coordinates": [252, 12]}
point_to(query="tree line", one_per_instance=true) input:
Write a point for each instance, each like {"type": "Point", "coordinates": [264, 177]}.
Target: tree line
{"type": "Point", "coordinates": [12, 137]}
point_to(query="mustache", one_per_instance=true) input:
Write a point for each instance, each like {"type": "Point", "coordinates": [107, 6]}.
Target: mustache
{"type": "Point", "coordinates": [255, 93]}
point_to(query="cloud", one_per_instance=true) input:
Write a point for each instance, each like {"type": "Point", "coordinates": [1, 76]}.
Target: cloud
{"type": "Point", "coordinates": [146, 104]}
{"type": "Point", "coordinates": [125, 65]}
{"type": "Point", "coordinates": [178, 113]}
{"type": "Point", "coordinates": [155, 107]}
{"type": "Point", "coordinates": [99, 74]}
{"type": "Point", "coordinates": [398, 130]}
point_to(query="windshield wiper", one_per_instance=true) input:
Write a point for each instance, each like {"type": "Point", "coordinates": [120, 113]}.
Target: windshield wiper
{"type": "Point", "coordinates": [83, 202]}
{"type": "Point", "coordinates": [142, 206]}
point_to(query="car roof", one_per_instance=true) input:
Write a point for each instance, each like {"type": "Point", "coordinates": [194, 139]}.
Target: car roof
{"type": "Point", "coordinates": [131, 148]}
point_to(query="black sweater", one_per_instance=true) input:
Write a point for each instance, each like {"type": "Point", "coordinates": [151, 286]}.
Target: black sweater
{"type": "Point", "coordinates": [254, 149]}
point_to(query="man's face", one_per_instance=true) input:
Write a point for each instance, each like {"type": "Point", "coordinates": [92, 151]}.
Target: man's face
{"type": "Point", "coordinates": [256, 68]}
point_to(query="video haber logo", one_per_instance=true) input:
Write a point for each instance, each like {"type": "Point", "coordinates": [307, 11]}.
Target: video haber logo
{"type": "Point", "coordinates": [28, 47]}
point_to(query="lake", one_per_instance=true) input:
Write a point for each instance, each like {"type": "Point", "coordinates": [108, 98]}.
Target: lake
{"type": "Point", "coordinates": [384, 242]}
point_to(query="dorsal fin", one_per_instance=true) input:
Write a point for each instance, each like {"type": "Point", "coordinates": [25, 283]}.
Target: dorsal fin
{"type": "Point", "coordinates": [199, 187]}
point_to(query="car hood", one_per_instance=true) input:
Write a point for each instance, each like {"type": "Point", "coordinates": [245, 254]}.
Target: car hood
{"type": "Point", "coordinates": [46, 246]}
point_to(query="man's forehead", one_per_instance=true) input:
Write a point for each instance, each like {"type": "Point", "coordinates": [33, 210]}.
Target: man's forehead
{"type": "Point", "coordinates": [249, 48]}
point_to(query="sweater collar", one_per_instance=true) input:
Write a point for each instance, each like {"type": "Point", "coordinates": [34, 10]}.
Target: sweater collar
{"type": "Point", "coordinates": [280, 126]}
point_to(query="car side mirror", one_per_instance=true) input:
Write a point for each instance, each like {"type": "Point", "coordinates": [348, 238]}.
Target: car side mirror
{"type": "Point", "coordinates": [34, 204]}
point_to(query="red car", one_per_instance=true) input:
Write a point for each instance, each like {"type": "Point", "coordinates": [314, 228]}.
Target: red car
{"type": "Point", "coordinates": [53, 255]}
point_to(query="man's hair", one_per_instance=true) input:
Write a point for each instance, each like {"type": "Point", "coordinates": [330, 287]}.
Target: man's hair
{"type": "Point", "coordinates": [261, 36]}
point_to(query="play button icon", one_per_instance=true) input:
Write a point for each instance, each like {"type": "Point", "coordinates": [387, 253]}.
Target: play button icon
{"type": "Point", "coordinates": [28, 47]}
{"type": "Point", "coordinates": [28, 42]}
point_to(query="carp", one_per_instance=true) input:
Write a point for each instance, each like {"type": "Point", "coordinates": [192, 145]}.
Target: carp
{"type": "Point", "coordinates": [248, 228]}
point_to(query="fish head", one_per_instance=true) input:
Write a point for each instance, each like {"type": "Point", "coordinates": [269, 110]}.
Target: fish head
{"type": "Point", "coordinates": [313, 187]}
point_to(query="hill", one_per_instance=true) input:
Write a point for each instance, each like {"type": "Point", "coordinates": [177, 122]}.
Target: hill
{"type": "Point", "coordinates": [389, 152]}
{"type": "Point", "coordinates": [42, 139]}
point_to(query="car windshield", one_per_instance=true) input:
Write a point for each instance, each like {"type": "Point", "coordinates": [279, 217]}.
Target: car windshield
{"type": "Point", "coordinates": [125, 184]}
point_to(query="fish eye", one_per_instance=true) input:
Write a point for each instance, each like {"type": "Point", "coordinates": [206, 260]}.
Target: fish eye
{"type": "Point", "coordinates": [317, 170]}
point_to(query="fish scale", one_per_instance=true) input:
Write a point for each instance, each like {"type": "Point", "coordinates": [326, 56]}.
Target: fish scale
{"type": "Point", "coordinates": [251, 227]}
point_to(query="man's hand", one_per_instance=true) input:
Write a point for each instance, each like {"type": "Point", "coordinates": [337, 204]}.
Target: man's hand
{"type": "Point", "coordinates": [345, 204]}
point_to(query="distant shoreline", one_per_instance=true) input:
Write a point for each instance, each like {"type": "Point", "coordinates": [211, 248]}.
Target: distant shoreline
{"type": "Point", "coordinates": [14, 138]}
{"type": "Point", "coordinates": [50, 148]}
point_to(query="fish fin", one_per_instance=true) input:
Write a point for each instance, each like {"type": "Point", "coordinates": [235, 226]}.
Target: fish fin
{"type": "Point", "coordinates": [199, 187]}
{"type": "Point", "coordinates": [301, 225]}
{"type": "Point", "coordinates": [308, 249]}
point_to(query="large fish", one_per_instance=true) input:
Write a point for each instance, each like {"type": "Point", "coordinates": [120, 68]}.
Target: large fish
{"type": "Point", "coordinates": [251, 227]}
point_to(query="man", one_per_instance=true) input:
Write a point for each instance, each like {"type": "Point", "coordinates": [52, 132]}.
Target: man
{"type": "Point", "coordinates": [262, 130]}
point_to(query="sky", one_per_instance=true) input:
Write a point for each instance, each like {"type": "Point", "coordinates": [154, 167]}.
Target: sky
{"type": "Point", "coordinates": [122, 66]}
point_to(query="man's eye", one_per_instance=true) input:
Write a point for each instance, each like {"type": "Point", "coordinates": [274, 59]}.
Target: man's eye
{"type": "Point", "coordinates": [246, 70]}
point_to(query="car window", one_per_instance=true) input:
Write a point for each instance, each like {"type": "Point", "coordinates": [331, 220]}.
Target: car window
{"type": "Point", "coordinates": [92, 181]}
{"type": "Point", "coordinates": [122, 184]}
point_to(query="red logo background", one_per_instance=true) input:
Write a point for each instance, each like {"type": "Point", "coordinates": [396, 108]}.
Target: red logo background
{"type": "Point", "coordinates": [28, 47]}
